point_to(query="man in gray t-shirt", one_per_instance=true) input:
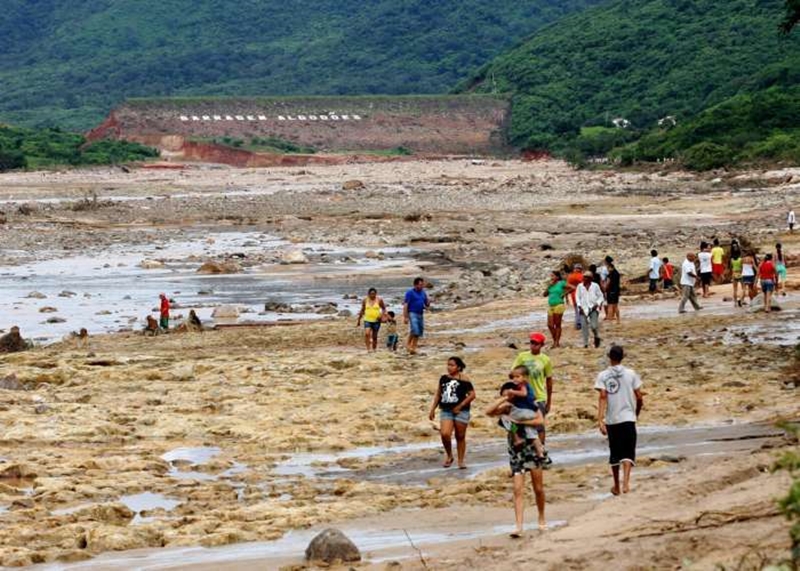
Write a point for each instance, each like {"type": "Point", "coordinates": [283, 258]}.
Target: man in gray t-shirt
{"type": "Point", "coordinates": [618, 408]}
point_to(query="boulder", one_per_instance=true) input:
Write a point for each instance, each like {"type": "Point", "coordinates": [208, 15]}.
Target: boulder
{"type": "Point", "coordinates": [331, 546]}
{"type": "Point", "coordinates": [11, 383]}
{"type": "Point", "coordinates": [277, 307]}
{"type": "Point", "coordinates": [55, 320]}
{"type": "Point", "coordinates": [225, 312]}
{"type": "Point", "coordinates": [151, 264]}
{"type": "Point", "coordinates": [352, 185]}
{"type": "Point", "coordinates": [226, 267]}
{"type": "Point", "coordinates": [47, 309]}
{"type": "Point", "coordinates": [36, 295]}
{"type": "Point", "coordinates": [294, 257]}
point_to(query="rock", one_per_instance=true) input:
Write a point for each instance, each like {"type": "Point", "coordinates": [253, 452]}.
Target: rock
{"type": "Point", "coordinates": [66, 293]}
{"type": "Point", "coordinates": [734, 384]}
{"type": "Point", "coordinates": [41, 408]}
{"type": "Point", "coordinates": [331, 546]}
{"type": "Point", "coordinates": [345, 313]}
{"type": "Point", "coordinates": [36, 295]}
{"type": "Point", "coordinates": [183, 373]}
{"type": "Point", "coordinates": [225, 312]}
{"type": "Point", "coordinates": [226, 267]}
{"type": "Point", "coordinates": [11, 383]}
{"type": "Point", "coordinates": [55, 320]}
{"type": "Point", "coordinates": [47, 309]}
{"type": "Point", "coordinates": [670, 459]}
{"type": "Point", "coordinates": [327, 309]}
{"type": "Point", "coordinates": [352, 185]}
{"type": "Point", "coordinates": [151, 264]}
{"type": "Point", "coordinates": [12, 341]}
{"type": "Point", "coordinates": [17, 472]}
{"type": "Point", "coordinates": [372, 254]}
{"type": "Point", "coordinates": [277, 307]}
{"type": "Point", "coordinates": [294, 257]}
{"type": "Point", "coordinates": [3, 218]}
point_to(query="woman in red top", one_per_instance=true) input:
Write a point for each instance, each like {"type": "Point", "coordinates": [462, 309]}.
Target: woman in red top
{"type": "Point", "coordinates": [766, 271]}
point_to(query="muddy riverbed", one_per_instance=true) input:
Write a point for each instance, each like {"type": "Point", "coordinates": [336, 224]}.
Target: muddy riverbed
{"type": "Point", "coordinates": [251, 435]}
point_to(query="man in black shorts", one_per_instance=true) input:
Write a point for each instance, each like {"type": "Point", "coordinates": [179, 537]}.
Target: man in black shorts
{"type": "Point", "coordinates": [618, 408]}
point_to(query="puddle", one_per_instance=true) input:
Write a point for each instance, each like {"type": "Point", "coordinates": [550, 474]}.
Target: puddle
{"type": "Point", "coordinates": [564, 449]}
{"type": "Point", "coordinates": [147, 501]}
{"type": "Point", "coordinates": [376, 545]}
{"type": "Point", "coordinates": [783, 329]}
{"type": "Point", "coordinates": [193, 457]}
{"type": "Point", "coordinates": [99, 295]}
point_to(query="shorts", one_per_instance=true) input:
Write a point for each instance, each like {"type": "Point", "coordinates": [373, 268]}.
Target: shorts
{"type": "Point", "coordinates": [374, 325]}
{"type": "Point", "coordinates": [462, 417]}
{"type": "Point", "coordinates": [781, 269]}
{"type": "Point", "coordinates": [556, 309]}
{"type": "Point", "coordinates": [523, 459]}
{"type": "Point", "coordinates": [668, 284]}
{"type": "Point", "coordinates": [542, 406]}
{"type": "Point", "coordinates": [653, 285]}
{"type": "Point", "coordinates": [705, 278]}
{"type": "Point", "coordinates": [717, 269]}
{"type": "Point", "coordinates": [612, 297]}
{"type": "Point", "coordinates": [748, 280]}
{"type": "Point", "coordinates": [417, 324]}
{"type": "Point", "coordinates": [736, 276]}
{"type": "Point", "coordinates": [767, 286]}
{"type": "Point", "coordinates": [621, 443]}
{"type": "Point", "coordinates": [391, 340]}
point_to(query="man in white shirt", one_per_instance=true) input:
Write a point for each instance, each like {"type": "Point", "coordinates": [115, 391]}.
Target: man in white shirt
{"type": "Point", "coordinates": [618, 407]}
{"type": "Point", "coordinates": [706, 266]}
{"type": "Point", "coordinates": [791, 221]}
{"type": "Point", "coordinates": [655, 271]}
{"type": "Point", "coordinates": [688, 279]}
{"type": "Point", "coordinates": [589, 300]}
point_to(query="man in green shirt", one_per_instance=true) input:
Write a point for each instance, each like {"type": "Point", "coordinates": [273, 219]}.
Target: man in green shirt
{"type": "Point", "coordinates": [541, 374]}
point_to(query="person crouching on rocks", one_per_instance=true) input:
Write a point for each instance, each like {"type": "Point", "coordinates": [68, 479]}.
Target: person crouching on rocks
{"type": "Point", "coordinates": [453, 396]}
{"type": "Point", "coordinates": [619, 404]}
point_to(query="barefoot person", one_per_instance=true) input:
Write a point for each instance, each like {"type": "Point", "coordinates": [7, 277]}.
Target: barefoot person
{"type": "Point", "coordinates": [768, 276]}
{"type": "Point", "coordinates": [523, 459]}
{"type": "Point", "coordinates": [717, 265]}
{"type": "Point", "coordinates": [654, 272]}
{"type": "Point", "coordinates": [555, 293]}
{"type": "Point", "coordinates": [573, 280]}
{"type": "Point", "coordinates": [372, 311]}
{"type": "Point", "coordinates": [453, 396]}
{"type": "Point", "coordinates": [618, 407]}
{"type": "Point", "coordinates": [613, 290]}
{"type": "Point", "coordinates": [780, 270]}
{"type": "Point", "coordinates": [706, 267]}
{"type": "Point", "coordinates": [736, 266]}
{"type": "Point", "coordinates": [414, 305]}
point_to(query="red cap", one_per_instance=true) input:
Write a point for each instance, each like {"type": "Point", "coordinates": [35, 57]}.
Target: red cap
{"type": "Point", "coordinates": [538, 338]}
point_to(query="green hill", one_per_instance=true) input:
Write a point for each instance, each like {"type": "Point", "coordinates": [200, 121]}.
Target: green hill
{"type": "Point", "coordinates": [67, 62]}
{"type": "Point", "coordinates": [640, 60]}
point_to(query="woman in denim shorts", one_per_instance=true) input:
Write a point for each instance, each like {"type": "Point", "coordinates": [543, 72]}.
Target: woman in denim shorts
{"type": "Point", "coordinates": [454, 393]}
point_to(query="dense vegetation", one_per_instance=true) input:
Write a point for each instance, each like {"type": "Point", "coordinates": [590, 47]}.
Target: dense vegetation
{"type": "Point", "coordinates": [747, 128]}
{"type": "Point", "coordinates": [641, 60]}
{"type": "Point", "coordinates": [34, 148]}
{"type": "Point", "coordinates": [68, 62]}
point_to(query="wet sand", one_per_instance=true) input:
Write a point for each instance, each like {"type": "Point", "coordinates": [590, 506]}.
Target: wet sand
{"type": "Point", "coordinates": [204, 424]}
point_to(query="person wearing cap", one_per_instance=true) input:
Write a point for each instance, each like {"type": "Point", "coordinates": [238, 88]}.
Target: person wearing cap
{"type": "Point", "coordinates": [589, 300]}
{"type": "Point", "coordinates": [164, 312]}
{"type": "Point", "coordinates": [619, 404]}
{"type": "Point", "coordinates": [573, 280]}
{"type": "Point", "coordinates": [540, 370]}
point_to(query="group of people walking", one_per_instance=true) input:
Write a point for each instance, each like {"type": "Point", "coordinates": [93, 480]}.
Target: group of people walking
{"type": "Point", "coordinates": [374, 314]}
{"type": "Point", "coordinates": [522, 407]}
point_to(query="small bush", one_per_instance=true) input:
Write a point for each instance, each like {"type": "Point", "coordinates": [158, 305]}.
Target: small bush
{"type": "Point", "coordinates": [707, 156]}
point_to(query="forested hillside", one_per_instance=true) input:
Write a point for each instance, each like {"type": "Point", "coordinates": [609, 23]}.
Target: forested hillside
{"type": "Point", "coordinates": [641, 60]}
{"type": "Point", "coordinates": [67, 62]}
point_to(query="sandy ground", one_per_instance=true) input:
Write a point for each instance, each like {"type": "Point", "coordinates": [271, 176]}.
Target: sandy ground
{"type": "Point", "coordinates": [114, 419]}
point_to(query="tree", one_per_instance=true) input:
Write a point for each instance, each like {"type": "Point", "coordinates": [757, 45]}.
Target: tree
{"type": "Point", "coordinates": [792, 16]}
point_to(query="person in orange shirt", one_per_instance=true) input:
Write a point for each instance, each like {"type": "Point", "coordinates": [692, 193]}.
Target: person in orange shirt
{"type": "Point", "coordinates": [574, 280]}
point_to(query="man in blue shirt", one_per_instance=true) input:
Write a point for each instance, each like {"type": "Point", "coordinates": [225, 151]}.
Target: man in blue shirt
{"type": "Point", "coordinates": [414, 304]}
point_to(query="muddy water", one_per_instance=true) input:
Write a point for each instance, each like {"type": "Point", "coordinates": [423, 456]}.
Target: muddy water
{"type": "Point", "coordinates": [405, 468]}
{"type": "Point", "coordinates": [384, 538]}
{"type": "Point", "coordinates": [108, 291]}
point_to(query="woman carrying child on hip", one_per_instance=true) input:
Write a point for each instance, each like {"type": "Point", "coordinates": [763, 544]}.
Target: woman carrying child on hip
{"type": "Point", "coordinates": [453, 396]}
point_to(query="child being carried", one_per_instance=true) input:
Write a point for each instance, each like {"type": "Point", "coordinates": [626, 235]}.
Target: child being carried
{"type": "Point", "coordinates": [519, 410]}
